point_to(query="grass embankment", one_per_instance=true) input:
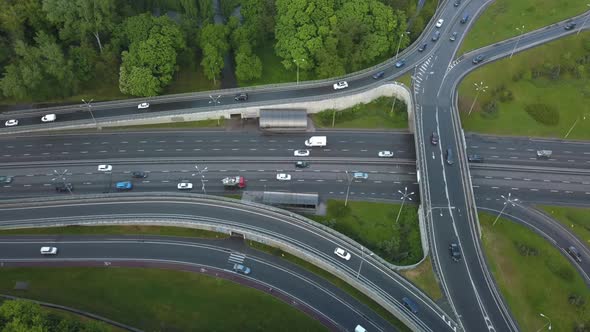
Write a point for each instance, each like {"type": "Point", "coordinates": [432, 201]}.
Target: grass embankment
{"type": "Point", "coordinates": [576, 219]}
{"type": "Point", "coordinates": [220, 123]}
{"type": "Point", "coordinates": [376, 114]}
{"type": "Point", "coordinates": [164, 300]}
{"type": "Point", "coordinates": [334, 280]}
{"type": "Point", "coordinates": [116, 230]}
{"type": "Point", "coordinates": [82, 319]}
{"type": "Point", "coordinates": [423, 277]}
{"type": "Point", "coordinates": [500, 20]}
{"type": "Point", "coordinates": [534, 277]}
{"type": "Point", "coordinates": [373, 225]}
{"type": "Point", "coordinates": [540, 92]}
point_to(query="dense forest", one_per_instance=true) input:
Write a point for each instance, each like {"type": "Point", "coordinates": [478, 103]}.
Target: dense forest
{"type": "Point", "coordinates": [55, 49]}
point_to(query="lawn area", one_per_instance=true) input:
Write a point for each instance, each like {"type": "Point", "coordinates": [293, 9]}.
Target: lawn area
{"type": "Point", "coordinates": [541, 92]}
{"type": "Point", "coordinates": [159, 300]}
{"type": "Point", "coordinates": [117, 230]}
{"type": "Point", "coordinates": [423, 277]}
{"type": "Point", "coordinates": [376, 115]}
{"type": "Point", "coordinates": [576, 219]}
{"type": "Point", "coordinates": [220, 123]}
{"type": "Point", "coordinates": [334, 280]}
{"type": "Point", "coordinates": [82, 319]}
{"type": "Point", "coordinates": [534, 277]}
{"type": "Point", "coordinates": [406, 79]}
{"type": "Point", "coordinates": [500, 20]}
{"type": "Point", "coordinates": [373, 225]}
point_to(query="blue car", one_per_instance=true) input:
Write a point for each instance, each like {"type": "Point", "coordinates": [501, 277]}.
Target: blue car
{"type": "Point", "coordinates": [124, 185]}
{"type": "Point", "coordinates": [400, 63]}
{"type": "Point", "coordinates": [378, 75]}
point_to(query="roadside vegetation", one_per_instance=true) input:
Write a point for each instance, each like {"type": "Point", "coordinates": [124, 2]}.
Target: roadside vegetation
{"type": "Point", "coordinates": [540, 92]}
{"type": "Point", "coordinates": [534, 277]}
{"type": "Point", "coordinates": [577, 220]}
{"type": "Point", "coordinates": [117, 230]}
{"type": "Point", "coordinates": [375, 114]}
{"type": "Point", "coordinates": [423, 277]}
{"type": "Point", "coordinates": [211, 123]}
{"type": "Point", "coordinates": [152, 299]}
{"type": "Point", "coordinates": [22, 315]}
{"type": "Point", "coordinates": [334, 280]}
{"type": "Point", "coordinates": [374, 225]}
{"type": "Point", "coordinates": [502, 18]}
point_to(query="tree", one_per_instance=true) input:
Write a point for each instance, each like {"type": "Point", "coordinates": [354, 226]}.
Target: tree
{"type": "Point", "coordinates": [78, 18]}
{"type": "Point", "coordinates": [248, 65]}
{"type": "Point", "coordinates": [20, 315]}
{"type": "Point", "coordinates": [214, 45]}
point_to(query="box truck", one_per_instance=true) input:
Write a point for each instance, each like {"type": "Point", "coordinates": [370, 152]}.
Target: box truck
{"type": "Point", "coordinates": [316, 141]}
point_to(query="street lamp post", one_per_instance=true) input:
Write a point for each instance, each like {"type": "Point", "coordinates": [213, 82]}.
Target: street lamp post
{"type": "Point", "coordinates": [404, 196]}
{"type": "Point", "coordinates": [89, 105]}
{"type": "Point", "coordinates": [478, 88]}
{"type": "Point", "coordinates": [400, 42]}
{"type": "Point", "coordinates": [507, 201]}
{"type": "Point", "coordinates": [349, 179]}
{"type": "Point", "coordinates": [521, 30]}
{"type": "Point", "coordinates": [297, 63]}
{"type": "Point", "coordinates": [575, 123]}
{"type": "Point", "coordinates": [583, 23]}
{"type": "Point", "coordinates": [362, 260]}
{"type": "Point", "coordinates": [547, 324]}
{"type": "Point", "coordinates": [201, 171]}
{"type": "Point", "coordinates": [61, 177]}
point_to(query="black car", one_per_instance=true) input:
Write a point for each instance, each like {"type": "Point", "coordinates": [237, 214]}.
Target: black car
{"type": "Point", "coordinates": [570, 26]}
{"type": "Point", "coordinates": [436, 35]}
{"type": "Point", "coordinates": [63, 187]}
{"type": "Point", "coordinates": [139, 175]}
{"type": "Point", "coordinates": [378, 75]}
{"type": "Point", "coordinates": [575, 254]}
{"type": "Point", "coordinates": [302, 164]}
{"type": "Point", "coordinates": [457, 3]}
{"type": "Point", "coordinates": [475, 158]}
{"type": "Point", "coordinates": [455, 251]}
{"type": "Point", "coordinates": [450, 160]}
{"type": "Point", "coordinates": [465, 19]}
{"type": "Point", "coordinates": [241, 97]}
{"type": "Point", "coordinates": [422, 48]}
{"type": "Point", "coordinates": [434, 138]}
{"type": "Point", "coordinates": [478, 59]}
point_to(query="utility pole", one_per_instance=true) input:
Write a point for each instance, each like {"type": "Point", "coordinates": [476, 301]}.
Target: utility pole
{"type": "Point", "coordinates": [61, 178]}
{"type": "Point", "coordinates": [405, 196]}
{"type": "Point", "coordinates": [349, 179]}
{"type": "Point", "coordinates": [297, 63]}
{"type": "Point", "coordinates": [89, 105]}
{"type": "Point", "coordinates": [201, 173]}
{"type": "Point", "coordinates": [478, 88]}
{"type": "Point", "coordinates": [521, 30]}
{"type": "Point", "coordinates": [507, 201]}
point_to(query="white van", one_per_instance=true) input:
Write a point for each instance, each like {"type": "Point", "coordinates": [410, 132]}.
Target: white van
{"type": "Point", "coordinates": [359, 328]}
{"type": "Point", "coordinates": [317, 141]}
{"type": "Point", "coordinates": [48, 118]}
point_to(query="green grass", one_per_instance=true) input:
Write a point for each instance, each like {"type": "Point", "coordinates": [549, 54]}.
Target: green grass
{"type": "Point", "coordinates": [375, 114]}
{"type": "Point", "coordinates": [373, 225]}
{"type": "Point", "coordinates": [81, 319]}
{"type": "Point", "coordinates": [406, 79]}
{"type": "Point", "coordinates": [533, 276]}
{"type": "Point", "coordinates": [334, 280]}
{"type": "Point", "coordinates": [117, 230]}
{"type": "Point", "coordinates": [576, 219]}
{"type": "Point", "coordinates": [273, 70]}
{"type": "Point", "coordinates": [159, 300]}
{"type": "Point", "coordinates": [423, 277]}
{"type": "Point", "coordinates": [190, 76]}
{"type": "Point", "coordinates": [211, 123]}
{"type": "Point", "coordinates": [500, 20]}
{"type": "Point", "coordinates": [567, 95]}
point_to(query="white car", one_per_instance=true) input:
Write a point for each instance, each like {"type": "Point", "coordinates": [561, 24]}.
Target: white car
{"type": "Point", "coordinates": [185, 186]}
{"type": "Point", "coordinates": [340, 85]}
{"type": "Point", "coordinates": [105, 168]}
{"type": "Point", "coordinates": [439, 23]}
{"type": "Point", "coordinates": [342, 253]}
{"type": "Point", "coordinates": [385, 154]}
{"type": "Point", "coordinates": [11, 123]}
{"type": "Point", "coordinates": [48, 118]}
{"type": "Point", "coordinates": [143, 105]}
{"type": "Point", "coordinates": [48, 251]}
{"type": "Point", "coordinates": [283, 177]}
{"type": "Point", "coordinates": [301, 153]}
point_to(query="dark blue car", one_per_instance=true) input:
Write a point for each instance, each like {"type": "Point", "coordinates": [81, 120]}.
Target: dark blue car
{"type": "Point", "coordinates": [378, 75]}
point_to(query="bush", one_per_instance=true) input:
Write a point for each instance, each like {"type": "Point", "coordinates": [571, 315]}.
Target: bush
{"type": "Point", "coordinates": [490, 109]}
{"type": "Point", "coordinates": [525, 250]}
{"type": "Point", "coordinates": [563, 271]}
{"type": "Point", "coordinates": [543, 114]}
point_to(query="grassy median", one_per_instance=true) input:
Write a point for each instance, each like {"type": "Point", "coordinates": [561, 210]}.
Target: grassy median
{"type": "Point", "coordinates": [377, 114]}
{"type": "Point", "coordinates": [159, 300]}
{"type": "Point", "coordinates": [500, 20]}
{"type": "Point", "coordinates": [577, 220]}
{"type": "Point", "coordinates": [534, 277]}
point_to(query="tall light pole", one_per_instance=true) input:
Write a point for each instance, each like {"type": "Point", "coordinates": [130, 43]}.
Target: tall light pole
{"type": "Point", "coordinates": [478, 88]}
{"type": "Point", "coordinates": [61, 177]}
{"type": "Point", "coordinates": [405, 195]}
{"type": "Point", "coordinates": [201, 173]}
{"type": "Point", "coordinates": [547, 324]}
{"type": "Point", "coordinates": [507, 201]}
{"type": "Point", "coordinates": [521, 30]}
{"type": "Point", "coordinates": [362, 260]}
{"type": "Point", "coordinates": [583, 23]}
{"type": "Point", "coordinates": [349, 179]}
{"type": "Point", "coordinates": [401, 37]}
{"type": "Point", "coordinates": [297, 63]}
{"type": "Point", "coordinates": [89, 105]}
{"type": "Point", "coordinates": [575, 123]}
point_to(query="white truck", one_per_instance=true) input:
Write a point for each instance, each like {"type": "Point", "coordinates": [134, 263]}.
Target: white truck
{"type": "Point", "coordinates": [316, 141]}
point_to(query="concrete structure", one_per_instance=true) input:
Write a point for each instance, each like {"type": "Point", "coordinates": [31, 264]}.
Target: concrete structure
{"type": "Point", "coordinates": [283, 119]}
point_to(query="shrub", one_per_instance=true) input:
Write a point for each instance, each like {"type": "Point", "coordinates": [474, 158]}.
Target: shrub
{"type": "Point", "coordinates": [526, 250]}
{"type": "Point", "coordinates": [490, 109]}
{"type": "Point", "coordinates": [542, 113]}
